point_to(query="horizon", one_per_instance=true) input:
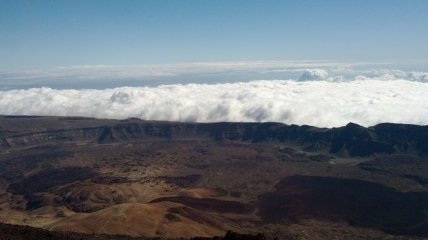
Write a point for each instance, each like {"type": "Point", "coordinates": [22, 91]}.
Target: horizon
{"type": "Point", "coordinates": [49, 34]}
{"type": "Point", "coordinates": [296, 62]}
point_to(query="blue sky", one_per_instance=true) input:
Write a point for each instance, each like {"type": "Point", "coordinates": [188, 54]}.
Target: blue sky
{"type": "Point", "coordinates": [362, 61]}
{"type": "Point", "coordinates": [45, 34]}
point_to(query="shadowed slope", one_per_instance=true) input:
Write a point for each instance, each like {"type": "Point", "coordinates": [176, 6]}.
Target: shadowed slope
{"type": "Point", "coordinates": [358, 202]}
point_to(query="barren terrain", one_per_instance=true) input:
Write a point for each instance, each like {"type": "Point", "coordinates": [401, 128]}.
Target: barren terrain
{"type": "Point", "coordinates": [168, 179]}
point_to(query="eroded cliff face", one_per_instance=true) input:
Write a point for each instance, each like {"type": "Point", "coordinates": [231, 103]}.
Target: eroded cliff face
{"type": "Point", "coordinates": [350, 140]}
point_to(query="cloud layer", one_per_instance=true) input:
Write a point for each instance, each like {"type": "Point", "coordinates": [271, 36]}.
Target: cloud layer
{"type": "Point", "coordinates": [323, 103]}
{"type": "Point", "coordinates": [103, 76]}
{"type": "Point", "coordinates": [111, 76]}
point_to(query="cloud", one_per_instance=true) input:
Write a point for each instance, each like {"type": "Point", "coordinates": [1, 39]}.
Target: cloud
{"type": "Point", "coordinates": [391, 74]}
{"type": "Point", "coordinates": [100, 76]}
{"type": "Point", "coordinates": [112, 76]}
{"type": "Point", "coordinates": [313, 74]}
{"type": "Point", "coordinates": [322, 103]}
{"type": "Point", "coordinates": [160, 70]}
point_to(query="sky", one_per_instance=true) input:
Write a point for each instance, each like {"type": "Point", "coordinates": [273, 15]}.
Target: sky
{"type": "Point", "coordinates": [43, 34]}
{"type": "Point", "coordinates": [322, 63]}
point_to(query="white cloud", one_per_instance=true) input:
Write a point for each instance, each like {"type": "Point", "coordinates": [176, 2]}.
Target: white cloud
{"type": "Point", "coordinates": [323, 93]}
{"type": "Point", "coordinates": [109, 76]}
{"type": "Point", "coordinates": [390, 74]}
{"type": "Point", "coordinates": [161, 70]}
{"type": "Point", "coordinates": [313, 74]}
{"type": "Point", "coordinates": [321, 103]}
{"type": "Point", "coordinates": [97, 75]}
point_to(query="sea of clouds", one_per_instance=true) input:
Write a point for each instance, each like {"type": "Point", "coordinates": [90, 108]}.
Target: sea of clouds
{"type": "Point", "coordinates": [318, 95]}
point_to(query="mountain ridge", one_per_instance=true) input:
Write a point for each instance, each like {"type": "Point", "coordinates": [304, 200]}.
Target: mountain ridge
{"type": "Point", "coordinates": [352, 139]}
